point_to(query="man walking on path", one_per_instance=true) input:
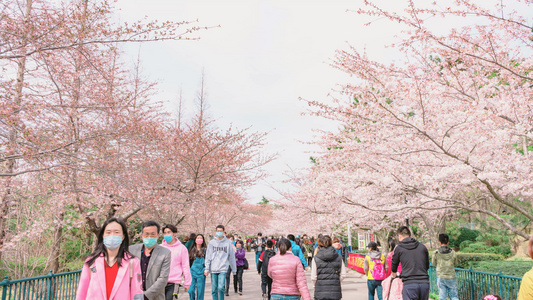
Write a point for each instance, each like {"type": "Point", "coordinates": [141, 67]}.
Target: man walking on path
{"type": "Point", "coordinates": [297, 251]}
{"type": "Point", "coordinates": [258, 246]}
{"type": "Point", "coordinates": [155, 262]}
{"type": "Point", "coordinates": [219, 257]}
{"type": "Point", "coordinates": [414, 258]}
{"type": "Point", "coordinates": [179, 262]}
{"type": "Point", "coordinates": [266, 282]}
{"type": "Point", "coordinates": [446, 260]}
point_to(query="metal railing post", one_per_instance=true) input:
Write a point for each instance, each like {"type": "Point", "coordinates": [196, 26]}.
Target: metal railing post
{"type": "Point", "coordinates": [5, 283]}
{"type": "Point", "coordinates": [500, 287]}
{"type": "Point", "coordinates": [471, 284]}
{"type": "Point", "coordinates": [49, 285]}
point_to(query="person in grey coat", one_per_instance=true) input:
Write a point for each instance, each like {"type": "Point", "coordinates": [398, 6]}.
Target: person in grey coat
{"type": "Point", "coordinates": [219, 257]}
{"type": "Point", "coordinates": [155, 262]}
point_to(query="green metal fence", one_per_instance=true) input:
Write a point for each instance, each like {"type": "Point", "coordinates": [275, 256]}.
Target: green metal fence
{"type": "Point", "coordinates": [475, 285]}
{"type": "Point", "coordinates": [61, 286]}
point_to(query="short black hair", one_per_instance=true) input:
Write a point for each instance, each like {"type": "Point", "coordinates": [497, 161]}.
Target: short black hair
{"type": "Point", "coordinates": [444, 238]}
{"type": "Point", "coordinates": [221, 226]}
{"type": "Point", "coordinates": [270, 243]}
{"type": "Point", "coordinates": [404, 231]}
{"type": "Point", "coordinates": [260, 234]}
{"type": "Point", "coordinates": [291, 237]}
{"type": "Point", "coordinates": [373, 246]}
{"type": "Point", "coordinates": [151, 223]}
{"type": "Point", "coordinates": [171, 227]}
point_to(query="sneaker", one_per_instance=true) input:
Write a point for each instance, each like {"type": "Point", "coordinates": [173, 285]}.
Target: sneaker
{"type": "Point", "coordinates": [227, 294]}
{"type": "Point", "coordinates": [240, 293]}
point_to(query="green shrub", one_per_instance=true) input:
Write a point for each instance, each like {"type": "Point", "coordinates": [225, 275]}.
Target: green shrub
{"type": "Point", "coordinates": [509, 268]}
{"type": "Point", "coordinates": [466, 259]}
{"type": "Point", "coordinates": [35, 266]}
{"type": "Point", "coordinates": [481, 247]}
{"type": "Point", "coordinates": [73, 265]}
{"type": "Point", "coordinates": [465, 234]}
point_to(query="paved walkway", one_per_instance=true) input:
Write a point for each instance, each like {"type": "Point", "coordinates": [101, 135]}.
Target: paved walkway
{"type": "Point", "coordinates": [353, 286]}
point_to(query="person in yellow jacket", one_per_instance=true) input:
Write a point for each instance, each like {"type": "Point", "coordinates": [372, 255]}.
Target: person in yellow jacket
{"type": "Point", "coordinates": [526, 287]}
{"type": "Point", "coordinates": [376, 271]}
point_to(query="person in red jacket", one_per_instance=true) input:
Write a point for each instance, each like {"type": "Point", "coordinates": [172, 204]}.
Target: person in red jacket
{"type": "Point", "coordinates": [288, 277]}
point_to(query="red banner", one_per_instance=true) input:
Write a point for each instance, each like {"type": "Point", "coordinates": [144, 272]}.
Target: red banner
{"type": "Point", "coordinates": [356, 262]}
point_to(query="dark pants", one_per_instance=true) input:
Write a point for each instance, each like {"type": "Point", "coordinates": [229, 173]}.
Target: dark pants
{"type": "Point", "coordinates": [228, 280]}
{"type": "Point", "coordinates": [416, 291]}
{"type": "Point", "coordinates": [169, 290]}
{"type": "Point", "coordinates": [266, 286]}
{"type": "Point", "coordinates": [237, 279]}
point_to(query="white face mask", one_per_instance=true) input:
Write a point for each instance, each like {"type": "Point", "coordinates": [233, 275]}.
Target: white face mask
{"type": "Point", "coordinates": [112, 242]}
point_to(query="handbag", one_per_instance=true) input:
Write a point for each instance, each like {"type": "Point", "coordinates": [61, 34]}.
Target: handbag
{"type": "Point", "coordinates": [392, 288]}
{"type": "Point", "coordinates": [246, 265]}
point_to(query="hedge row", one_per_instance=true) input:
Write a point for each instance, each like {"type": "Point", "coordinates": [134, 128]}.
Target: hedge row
{"type": "Point", "coordinates": [466, 260]}
{"type": "Point", "coordinates": [510, 268]}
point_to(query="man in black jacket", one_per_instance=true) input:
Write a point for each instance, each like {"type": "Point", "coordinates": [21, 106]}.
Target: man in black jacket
{"type": "Point", "coordinates": [266, 282]}
{"type": "Point", "coordinates": [414, 258]}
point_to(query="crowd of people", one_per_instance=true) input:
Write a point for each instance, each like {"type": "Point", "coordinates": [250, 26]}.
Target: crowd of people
{"type": "Point", "coordinates": [153, 271]}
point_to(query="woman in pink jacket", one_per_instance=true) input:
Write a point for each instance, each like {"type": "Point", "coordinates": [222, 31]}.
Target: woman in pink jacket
{"type": "Point", "coordinates": [287, 273]}
{"type": "Point", "coordinates": [111, 272]}
{"type": "Point", "coordinates": [392, 245]}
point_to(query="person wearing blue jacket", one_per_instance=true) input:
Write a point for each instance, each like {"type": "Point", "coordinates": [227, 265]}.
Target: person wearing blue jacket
{"type": "Point", "coordinates": [197, 263]}
{"type": "Point", "coordinates": [219, 257]}
{"type": "Point", "coordinates": [297, 251]}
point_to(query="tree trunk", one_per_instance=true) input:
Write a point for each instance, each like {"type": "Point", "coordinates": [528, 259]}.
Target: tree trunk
{"type": "Point", "coordinates": [56, 247]}
{"type": "Point", "coordinates": [383, 238]}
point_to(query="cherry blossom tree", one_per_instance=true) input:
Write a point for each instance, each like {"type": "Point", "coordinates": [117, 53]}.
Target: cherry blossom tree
{"type": "Point", "coordinates": [67, 106]}
{"type": "Point", "coordinates": [202, 172]}
{"type": "Point", "coordinates": [452, 115]}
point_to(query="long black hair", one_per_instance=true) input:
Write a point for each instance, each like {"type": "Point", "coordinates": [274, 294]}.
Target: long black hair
{"type": "Point", "coordinates": [101, 249]}
{"type": "Point", "coordinates": [392, 245]}
{"type": "Point", "coordinates": [194, 252]}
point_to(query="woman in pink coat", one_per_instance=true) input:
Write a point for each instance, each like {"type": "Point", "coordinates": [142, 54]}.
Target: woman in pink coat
{"type": "Point", "coordinates": [392, 245]}
{"type": "Point", "coordinates": [287, 273]}
{"type": "Point", "coordinates": [111, 272]}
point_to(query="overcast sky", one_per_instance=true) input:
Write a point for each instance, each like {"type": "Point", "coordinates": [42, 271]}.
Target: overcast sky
{"type": "Point", "coordinates": [262, 58]}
